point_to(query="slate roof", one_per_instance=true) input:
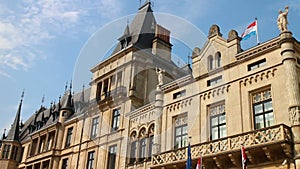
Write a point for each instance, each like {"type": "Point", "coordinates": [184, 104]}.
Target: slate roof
{"type": "Point", "coordinates": [13, 133]}
{"type": "Point", "coordinates": [45, 117]}
{"type": "Point", "coordinates": [141, 30]}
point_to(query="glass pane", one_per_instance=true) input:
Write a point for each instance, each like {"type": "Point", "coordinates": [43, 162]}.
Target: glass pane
{"type": "Point", "coordinates": [184, 141]}
{"type": "Point", "coordinates": [269, 119]}
{"type": "Point", "coordinates": [177, 132]}
{"type": "Point", "coordinates": [268, 106]}
{"type": "Point", "coordinates": [177, 142]}
{"type": "Point", "coordinates": [259, 122]}
{"type": "Point", "coordinates": [222, 131]}
{"type": "Point", "coordinates": [214, 121]}
{"type": "Point", "coordinates": [214, 133]}
{"type": "Point", "coordinates": [184, 129]}
{"type": "Point", "coordinates": [222, 119]}
{"type": "Point", "coordinates": [258, 109]}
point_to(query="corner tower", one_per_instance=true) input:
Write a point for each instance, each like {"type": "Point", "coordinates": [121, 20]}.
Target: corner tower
{"type": "Point", "coordinates": [10, 151]}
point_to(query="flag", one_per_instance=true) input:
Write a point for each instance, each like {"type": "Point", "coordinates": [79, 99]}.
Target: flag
{"type": "Point", "coordinates": [244, 158]}
{"type": "Point", "coordinates": [189, 160]}
{"type": "Point", "coordinates": [199, 163]}
{"type": "Point", "coordinates": [250, 31]}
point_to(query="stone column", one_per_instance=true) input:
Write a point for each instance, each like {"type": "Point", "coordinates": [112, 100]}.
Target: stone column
{"type": "Point", "coordinates": [292, 87]}
{"type": "Point", "coordinates": [158, 122]}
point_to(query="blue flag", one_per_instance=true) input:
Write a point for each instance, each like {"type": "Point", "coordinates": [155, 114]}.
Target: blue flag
{"type": "Point", "coordinates": [189, 160]}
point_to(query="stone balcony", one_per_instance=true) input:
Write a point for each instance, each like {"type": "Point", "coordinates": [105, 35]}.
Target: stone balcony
{"type": "Point", "coordinates": [268, 145]}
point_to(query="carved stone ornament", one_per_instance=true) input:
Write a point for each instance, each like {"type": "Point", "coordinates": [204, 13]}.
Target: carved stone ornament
{"type": "Point", "coordinates": [232, 35]}
{"type": "Point", "coordinates": [294, 114]}
{"type": "Point", "coordinates": [196, 51]}
{"type": "Point", "coordinates": [214, 30]}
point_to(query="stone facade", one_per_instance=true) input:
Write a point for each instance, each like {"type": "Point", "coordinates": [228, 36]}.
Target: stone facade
{"type": "Point", "coordinates": [231, 98]}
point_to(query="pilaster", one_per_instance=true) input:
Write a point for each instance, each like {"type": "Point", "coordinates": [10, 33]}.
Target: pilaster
{"type": "Point", "coordinates": [158, 121]}
{"type": "Point", "coordinates": [292, 86]}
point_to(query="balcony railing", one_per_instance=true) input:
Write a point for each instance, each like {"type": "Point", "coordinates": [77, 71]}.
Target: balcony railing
{"type": "Point", "coordinates": [258, 138]}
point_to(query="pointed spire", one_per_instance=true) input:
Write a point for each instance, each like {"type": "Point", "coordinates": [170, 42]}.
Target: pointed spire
{"type": "Point", "coordinates": [71, 86]}
{"type": "Point", "coordinates": [3, 135]}
{"type": "Point", "coordinates": [68, 104]}
{"type": "Point", "coordinates": [82, 94]}
{"type": "Point", "coordinates": [66, 86]}
{"type": "Point", "coordinates": [13, 134]}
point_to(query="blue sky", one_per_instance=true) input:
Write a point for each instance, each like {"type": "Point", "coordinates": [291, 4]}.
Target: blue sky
{"type": "Point", "coordinates": [40, 41]}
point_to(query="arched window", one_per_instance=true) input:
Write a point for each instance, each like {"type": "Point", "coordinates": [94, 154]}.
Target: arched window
{"type": "Point", "coordinates": [142, 145]}
{"type": "Point", "coordinates": [151, 140]}
{"type": "Point", "coordinates": [133, 146]}
{"type": "Point", "coordinates": [218, 59]}
{"type": "Point", "coordinates": [210, 62]}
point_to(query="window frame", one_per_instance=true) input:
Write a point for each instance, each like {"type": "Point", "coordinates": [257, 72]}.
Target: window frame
{"type": "Point", "coordinates": [115, 122]}
{"type": "Point", "coordinates": [95, 127]}
{"type": "Point", "coordinates": [112, 154]}
{"type": "Point", "coordinates": [90, 160]}
{"type": "Point", "coordinates": [64, 164]}
{"type": "Point", "coordinates": [69, 137]}
{"type": "Point", "coordinates": [256, 65]}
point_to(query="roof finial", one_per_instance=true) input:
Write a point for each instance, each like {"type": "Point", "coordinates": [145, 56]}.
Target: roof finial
{"type": "Point", "coordinates": [22, 95]}
{"type": "Point", "coordinates": [43, 100]}
{"type": "Point", "coordinates": [66, 86]}
{"type": "Point", "coordinates": [70, 86]}
{"type": "Point", "coordinates": [189, 57]}
{"type": "Point", "coordinates": [3, 136]}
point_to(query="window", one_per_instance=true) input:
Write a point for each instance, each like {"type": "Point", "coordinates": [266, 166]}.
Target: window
{"type": "Point", "coordinates": [115, 119]}
{"type": "Point", "coordinates": [6, 150]}
{"type": "Point", "coordinates": [214, 81]}
{"type": "Point", "coordinates": [95, 125]}
{"type": "Point", "coordinates": [262, 109]}
{"type": "Point", "coordinates": [91, 158]}
{"type": "Point", "coordinates": [142, 150]}
{"type": "Point", "coordinates": [50, 140]}
{"type": "Point", "coordinates": [132, 152]}
{"type": "Point", "coordinates": [14, 153]}
{"type": "Point", "coordinates": [256, 65]}
{"type": "Point", "coordinates": [112, 157]}
{"type": "Point", "coordinates": [179, 94]}
{"type": "Point", "coordinates": [99, 89]}
{"type": "Point", "coordinates": [151, 142]}
{"type": "Point", "coordinates": [217, 121]}
{"type": "Point", "coordinates": [64, 164]}
{"type": "Point", "coordinates": [218, 59]}
{"type": "Point", "coordinates": [210, 63]}
{"type": "Point", "coordinates": [181, 135]}
{"type": "Point", "coordinates": [69, 137]}
{"type": "Point", "coordinates": [33, 147]}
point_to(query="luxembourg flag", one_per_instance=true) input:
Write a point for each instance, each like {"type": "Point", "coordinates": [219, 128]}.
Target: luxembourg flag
{"type": "Point", "coordinates": [199, 163]}
{"type": "Point", "coordinates": [251, 31]}
{"type": "Point", "coordinates": [244, 158]}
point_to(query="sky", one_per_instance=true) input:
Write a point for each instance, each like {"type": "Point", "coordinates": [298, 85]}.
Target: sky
{"type": "Point", "coordinates": [43, 43]}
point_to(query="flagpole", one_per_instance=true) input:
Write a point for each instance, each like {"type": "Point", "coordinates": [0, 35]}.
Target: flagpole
{"type": "Point", "coordinates": [256, 31]}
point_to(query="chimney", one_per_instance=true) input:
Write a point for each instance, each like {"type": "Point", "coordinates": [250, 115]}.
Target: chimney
{"type": "Point", "coordinates": [161, 43]}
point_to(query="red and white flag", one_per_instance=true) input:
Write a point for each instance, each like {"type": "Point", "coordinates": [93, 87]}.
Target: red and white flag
{"type": "Point", "coordinates": [244, 158]}
{"type": "Point", "coordinates": [199, 163]}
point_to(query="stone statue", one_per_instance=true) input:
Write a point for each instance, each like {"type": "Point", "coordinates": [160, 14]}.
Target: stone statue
{"type": "Point", "coordinates": [282, 21]}
{"type": "Point", "coordinates": [159, 73]}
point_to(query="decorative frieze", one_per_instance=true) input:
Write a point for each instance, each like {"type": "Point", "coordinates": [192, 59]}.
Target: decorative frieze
{"type": "Point", "coordinates": [260, 76]}
{"type": "Point", "coordinates": [179, 105]}
{"type": "Point", "coordinates": [215, 92]}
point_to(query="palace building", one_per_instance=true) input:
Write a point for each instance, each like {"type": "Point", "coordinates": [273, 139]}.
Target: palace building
{"type": "Point", "coordinates": [142, 110]}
